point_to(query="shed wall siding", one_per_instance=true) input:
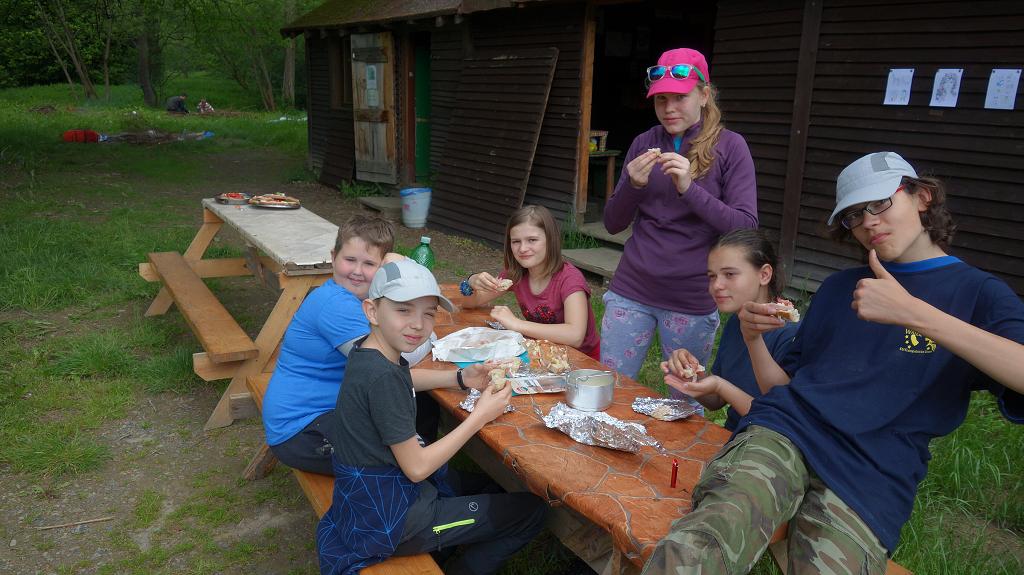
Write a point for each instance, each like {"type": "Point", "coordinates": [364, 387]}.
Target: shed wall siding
{"type": "Point", "coordinates": [754, 66]}
{"type": "Point", "coordinates": [331, 139]}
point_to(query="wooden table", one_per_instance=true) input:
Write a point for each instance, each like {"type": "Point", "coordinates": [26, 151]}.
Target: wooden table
{"type": "Point", "coordinates": [610, 507]}
{"type": "Point", "coordinates": [610, 177]}
{"type": "Point", "coordinates": [286, 249]}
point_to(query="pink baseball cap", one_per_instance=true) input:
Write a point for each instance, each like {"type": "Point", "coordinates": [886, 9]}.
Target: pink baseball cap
{"type": "Point", "coordinates": [671, 85]}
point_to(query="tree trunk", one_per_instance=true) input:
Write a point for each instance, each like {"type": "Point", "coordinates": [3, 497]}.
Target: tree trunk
{"type": "Point", "coordinates": [66, 38]}
{"type": "Point", "coordinates": [288, 81]}
{"type": "Point", "coordinates": [145, 80]}
{"type": "Point", "coordinates": [263, 82]}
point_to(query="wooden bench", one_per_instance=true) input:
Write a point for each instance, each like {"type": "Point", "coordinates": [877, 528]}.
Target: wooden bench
{"type": "Point", "coordinates": [319, 489]}
{"type": "Point", "coordinates": [778, 548]}
{"type": "Point", "coordinates": [218, 332]}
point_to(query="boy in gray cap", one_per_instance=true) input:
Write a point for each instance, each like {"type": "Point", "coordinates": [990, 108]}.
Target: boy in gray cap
{"type": "Point", "coordinates": [884, 361]}
{"type": "Point", "coordinates": [393, 495]}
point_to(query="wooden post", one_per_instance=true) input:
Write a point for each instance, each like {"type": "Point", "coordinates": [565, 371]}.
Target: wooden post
{"type": "Point", "coordinates": [586, 94]}
{"type": "Point", "coordinates": [798, 132]}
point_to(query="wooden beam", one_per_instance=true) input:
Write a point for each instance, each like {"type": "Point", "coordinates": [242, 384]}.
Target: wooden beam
{"type": "Point", "coordinates": [799, 126]}
{"type": "Point", "coordinates": [586, 94]}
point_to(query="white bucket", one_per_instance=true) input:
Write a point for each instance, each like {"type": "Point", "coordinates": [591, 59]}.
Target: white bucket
{"type": "Point", "coordinates": [415, 205]}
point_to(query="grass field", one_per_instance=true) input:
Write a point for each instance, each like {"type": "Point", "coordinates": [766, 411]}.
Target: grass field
{"type": "Point", "coordinates": [73, 357]}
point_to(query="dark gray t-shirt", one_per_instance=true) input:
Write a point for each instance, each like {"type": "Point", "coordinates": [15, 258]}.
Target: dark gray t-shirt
{"type": "Point", "coordinates": [376, 409]}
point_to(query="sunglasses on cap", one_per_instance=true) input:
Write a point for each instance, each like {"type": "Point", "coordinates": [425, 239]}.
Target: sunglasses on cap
{"type": "Point", "coordinates": [677, 71]}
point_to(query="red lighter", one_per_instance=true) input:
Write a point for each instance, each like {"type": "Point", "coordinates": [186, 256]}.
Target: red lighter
{"type": "Point", "coordinates": [675, 471]}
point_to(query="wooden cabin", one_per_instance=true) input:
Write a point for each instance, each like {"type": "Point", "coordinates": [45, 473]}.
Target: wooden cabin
{"type": "Point", "coordinates": [491, 103]}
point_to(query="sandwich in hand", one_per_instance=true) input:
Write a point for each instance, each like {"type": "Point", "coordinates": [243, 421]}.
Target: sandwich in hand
{"type": "Point", "coordinates": [784, 309]}
{"type": "Point", "coordinates": [504, 284]}
{"type": "Point", "coordinates": [690, 372]}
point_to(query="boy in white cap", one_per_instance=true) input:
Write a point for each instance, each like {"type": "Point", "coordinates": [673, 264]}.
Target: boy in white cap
{"type": "Point", "coordinates": [391, 491]}
{"type": "Point", "coordinates": [884, 361]}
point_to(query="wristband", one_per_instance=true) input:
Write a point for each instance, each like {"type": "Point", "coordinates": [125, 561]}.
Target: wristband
{"type": "Point", "coordinates": [458, 379]}
{"type": "Point", "coordinates": [466, 289]}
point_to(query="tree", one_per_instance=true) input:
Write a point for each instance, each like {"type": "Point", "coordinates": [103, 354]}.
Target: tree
{"type": "Point", "coordinates": [61, 35]}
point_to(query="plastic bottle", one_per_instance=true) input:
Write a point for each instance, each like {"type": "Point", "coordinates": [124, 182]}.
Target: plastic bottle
{"type": "Point", "coordinates": [423, 255]}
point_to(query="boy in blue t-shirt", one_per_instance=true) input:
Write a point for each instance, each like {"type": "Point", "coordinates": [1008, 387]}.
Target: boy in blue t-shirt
{"type": "Point", "coordinates": [392, 494]}
{"type": "Point", "coordinates": [314, 352]}
{"type": "Point", "coordinates": [884, 361]}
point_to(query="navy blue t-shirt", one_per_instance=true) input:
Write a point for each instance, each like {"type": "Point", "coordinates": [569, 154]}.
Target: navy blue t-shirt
{"type": "Point", "coordinates": [733, 361]}
{"type": "Point", "coordinates": [865, 398]}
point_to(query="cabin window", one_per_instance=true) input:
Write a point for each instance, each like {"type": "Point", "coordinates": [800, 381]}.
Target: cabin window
{"type": "Point", "coordinates": [339, 59]}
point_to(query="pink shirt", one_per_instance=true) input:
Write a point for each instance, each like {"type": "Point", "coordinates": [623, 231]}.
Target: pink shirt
{"type": "Point", "coordinates": [549, 305]}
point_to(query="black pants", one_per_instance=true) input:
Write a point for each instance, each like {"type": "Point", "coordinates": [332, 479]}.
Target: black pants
{"type": "Point", "coordinates": [309, 449]}
{"type": "Point", "coordinates": [503, 523]}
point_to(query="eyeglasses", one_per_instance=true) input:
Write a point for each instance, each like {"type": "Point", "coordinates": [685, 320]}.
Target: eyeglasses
{"type": "Point", "coordinates": [677, 71]}
{"type": "Point", "coordinates": [854, 218]}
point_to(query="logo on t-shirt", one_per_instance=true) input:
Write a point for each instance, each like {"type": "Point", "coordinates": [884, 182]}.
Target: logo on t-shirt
{"type": "Point", "coordinates": [914, 342]}
{"type": "Point", "coordinates": [542, 314]}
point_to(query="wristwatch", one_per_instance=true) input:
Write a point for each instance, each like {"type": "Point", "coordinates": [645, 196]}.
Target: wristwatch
{"type": "Point", "coordinates": [458, 379]}
{"type": "Point", "coordinates": [464, 287]}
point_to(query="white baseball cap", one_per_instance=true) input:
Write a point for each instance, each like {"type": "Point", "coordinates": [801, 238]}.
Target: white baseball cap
{"type": "Point", "coordinates": [406, 280]}
{"type": "Point", "coordinates": [871, 178]}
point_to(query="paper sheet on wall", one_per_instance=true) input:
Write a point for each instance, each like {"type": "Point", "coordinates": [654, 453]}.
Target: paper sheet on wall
{"type": "Point", "coordinates": [1002, 89]}
{"type": "Point", "coordinates": [897, 89]}
{"type": "Point", "coordinates": [947, 87]}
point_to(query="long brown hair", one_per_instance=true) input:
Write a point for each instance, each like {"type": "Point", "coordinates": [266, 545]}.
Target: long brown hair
{"type": "Point", "coordinates": [535, 216]}
{"type": "Point", "coordinates": [702, 149]}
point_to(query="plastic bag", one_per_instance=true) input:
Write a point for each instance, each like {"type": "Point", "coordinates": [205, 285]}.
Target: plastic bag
{"type": "Point", "coordinates": [479, 344]}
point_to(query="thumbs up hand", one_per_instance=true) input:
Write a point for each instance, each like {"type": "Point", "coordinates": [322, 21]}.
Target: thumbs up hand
{"type": "Point", "coordinates": [882, 299]}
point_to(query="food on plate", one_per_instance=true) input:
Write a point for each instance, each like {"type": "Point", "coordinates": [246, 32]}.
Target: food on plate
{"type": "Point", "coordinates": [504, 284]}
{"type": "Point", "coordinates": [279, 200]}
{"type": "Point", "coordinates": [233, 196]}
{"type": "Point", "coordinates": [548, 356]}
{"type": "Point", "coordinates": [784, 309]}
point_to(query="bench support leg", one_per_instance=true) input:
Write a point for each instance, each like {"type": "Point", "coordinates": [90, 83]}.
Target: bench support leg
{"type": "Point", "coordinates": [261, 465]}
{"type": "Point", "coordinates": [195, 251]}
{"type": "Point", "coordinates": [295, 289]}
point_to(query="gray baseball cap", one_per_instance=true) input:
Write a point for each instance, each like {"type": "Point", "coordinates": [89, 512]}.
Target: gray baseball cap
{"type": "Point", "coordinates": [406, 280]}
{"type": "Point", "coordinates": [872, 177]}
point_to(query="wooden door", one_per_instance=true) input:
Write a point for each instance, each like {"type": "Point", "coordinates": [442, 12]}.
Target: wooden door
{"type": "Point", "coordinates": [373, 100]}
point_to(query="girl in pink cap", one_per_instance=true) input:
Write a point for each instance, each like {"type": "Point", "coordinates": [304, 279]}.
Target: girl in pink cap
{"type": "Point", "coordinates": [686, 182]}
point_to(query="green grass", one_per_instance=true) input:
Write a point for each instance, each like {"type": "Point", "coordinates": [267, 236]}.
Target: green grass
{"type": "Point", "coordinates": [76, 355]}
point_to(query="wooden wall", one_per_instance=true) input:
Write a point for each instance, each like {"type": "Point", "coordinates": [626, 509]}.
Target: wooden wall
{"type": "Point", "coordinates": [331, 139]}
{"type": "Point", "coordinates": [978, 152]}
{"type": "Point", "coordinates": [553, 176]}
{"type": "Point", "coordinates": [754, 65]}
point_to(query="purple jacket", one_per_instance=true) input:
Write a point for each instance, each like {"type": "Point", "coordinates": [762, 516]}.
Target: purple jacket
{"type": "Point", "coordinates": [665, 261]}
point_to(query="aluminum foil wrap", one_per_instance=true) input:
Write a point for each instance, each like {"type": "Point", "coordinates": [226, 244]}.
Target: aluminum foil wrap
{"type": "Point", "coordinates": [600, 429]}
{"type": "Point", "coordinates": [664, 409]}
{"type": "Point", "coordinates": [469, 404]}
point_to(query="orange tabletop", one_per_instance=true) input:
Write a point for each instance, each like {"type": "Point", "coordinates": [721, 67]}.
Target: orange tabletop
{"type": "Point", "coordinates": [625, 494]}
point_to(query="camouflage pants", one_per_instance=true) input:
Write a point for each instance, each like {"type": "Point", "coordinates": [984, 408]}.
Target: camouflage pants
{"type": "Point", "coordinates": [755, 484]}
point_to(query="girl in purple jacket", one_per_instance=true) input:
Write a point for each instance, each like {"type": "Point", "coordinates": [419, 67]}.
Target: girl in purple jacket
{"type": "Point", "coordinates": [686, 182]}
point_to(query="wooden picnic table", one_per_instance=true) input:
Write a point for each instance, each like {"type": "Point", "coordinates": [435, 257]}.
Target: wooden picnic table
{"type": "Point", "coordinates": [609, 507]}
{"type": "Point", "coordinates": [286, 249]}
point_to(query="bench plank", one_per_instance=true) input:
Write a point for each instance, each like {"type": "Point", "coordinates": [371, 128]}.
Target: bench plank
{"type": "Point", "coordinates": [218, 332]}
{"type": "Point", "coordinates": [319, 489]}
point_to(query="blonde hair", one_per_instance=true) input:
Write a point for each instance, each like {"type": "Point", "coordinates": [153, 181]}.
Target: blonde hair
{"type": "Point", "coordinates": [702, 147]}
{"type": "Point", "coordinates": [535, 216]}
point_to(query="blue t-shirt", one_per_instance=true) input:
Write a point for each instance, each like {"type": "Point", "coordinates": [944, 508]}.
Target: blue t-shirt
{"type": "Point", "coordinates": [733, 361]}
{"type": "Point", "coordinates": [865, 399]}
{"type": "Point", "coordinates": [310, 368]}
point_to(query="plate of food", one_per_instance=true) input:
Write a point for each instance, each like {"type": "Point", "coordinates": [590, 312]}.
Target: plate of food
{"type": "Point", "coordinates": [275, 201]}
{"type": "Point", "coordinates": [233, 198]}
